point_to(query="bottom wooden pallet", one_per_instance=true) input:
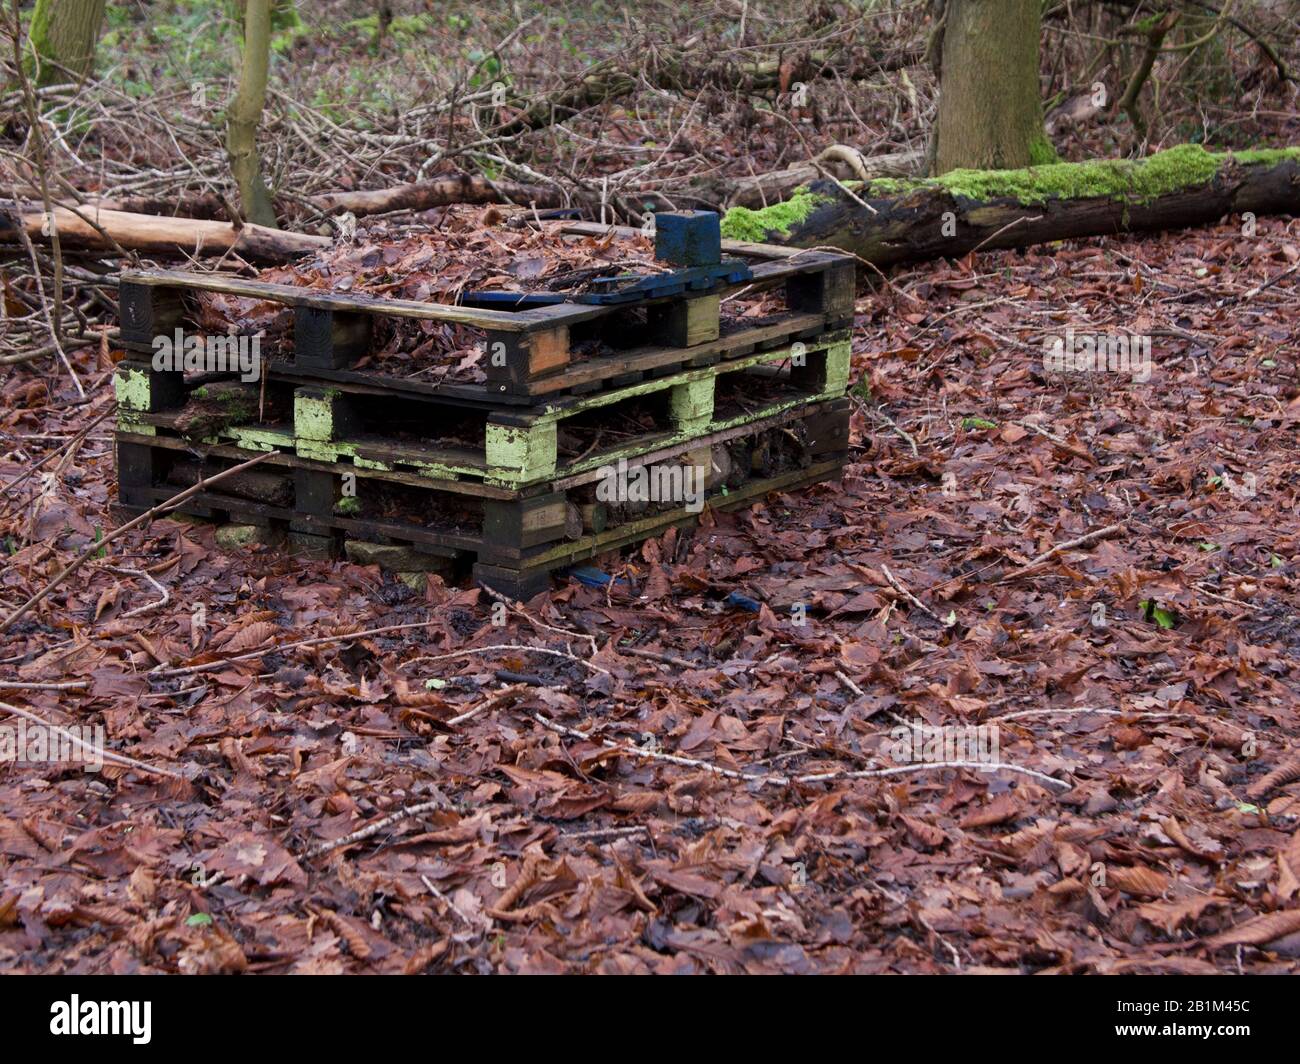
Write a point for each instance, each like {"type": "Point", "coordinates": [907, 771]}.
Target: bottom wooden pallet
{"type": "Point", "coordinates": [525, 582]}
{"type": "Point", "coordinates": [322, 506]}
{"type": "Point", "coordinates": [520, 578]}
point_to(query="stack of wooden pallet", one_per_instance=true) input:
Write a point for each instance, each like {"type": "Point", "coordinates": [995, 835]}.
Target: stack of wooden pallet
{"type": "Point", "coordinates": [526, 470]}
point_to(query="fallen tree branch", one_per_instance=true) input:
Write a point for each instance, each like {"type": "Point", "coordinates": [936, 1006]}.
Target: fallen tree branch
{"type": "Point", "coordinates": [107, 755]}
{"type": "Point", "coordinates": [779, 780]}
{"type": "Point", "coordinates": [208, 666]}
{"type": "Point", "coordinates": [745, 191]}
{"type": "Point", "coordinates": [519, 609]}
{"type": "Point", "coordinates": [509, 646]}
{"type": "Point", "coordinates": [154, 234]}
{"type": "Point", "coordinates": [96, 548]}
{"type": "Point", "coordinates": [760, 190]}
{"type": "Point", "coordinates": [923, 766]}
{"type": "Point", "coordinates": [371, 830]}
{"type": "Point", "coordinates": [884, 418]}
{"type": "Point", "coordinates": [440, 192]}
{"type": "Point", "coordinates": [166, 595]}
{"type": "Point", "coordinates": [493, 700]}
{"type": "Point", "coordinates": [897, 585]}
{"type": "Point", "coordinates": [1046, 556]}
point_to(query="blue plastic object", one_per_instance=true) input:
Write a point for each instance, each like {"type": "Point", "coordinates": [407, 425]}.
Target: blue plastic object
{"type": "Point", "coordinates": [744, 602]}
{"type": "Point", "coordinates": [590, 576]}
{"type": "Point", "coordinates": [688, 238]}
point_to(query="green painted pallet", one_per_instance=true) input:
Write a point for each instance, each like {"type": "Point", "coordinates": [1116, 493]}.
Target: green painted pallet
{"type": "Point", "coordinates": [322, 503]}
{"type": "Point", "coordinates": [331, 423]}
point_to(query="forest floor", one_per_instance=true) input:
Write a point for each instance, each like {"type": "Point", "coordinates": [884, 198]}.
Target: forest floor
{"type": "Point", "coordinates": [643, 803]}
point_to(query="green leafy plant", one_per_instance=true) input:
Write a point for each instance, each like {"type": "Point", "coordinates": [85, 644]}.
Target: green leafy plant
{"type": "Point", "coordinates": [1152, 612]}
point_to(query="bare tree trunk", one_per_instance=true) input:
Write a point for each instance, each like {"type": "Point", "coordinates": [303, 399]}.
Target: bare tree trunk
{"type": "Point", "coordinates": [63, 36]}
{"type": "Point", "coordinates": [1155, 35]}
{"type": "Point", "coordinates": [990, 112]}
{"type": "Point", "coordinates": [246, 114]}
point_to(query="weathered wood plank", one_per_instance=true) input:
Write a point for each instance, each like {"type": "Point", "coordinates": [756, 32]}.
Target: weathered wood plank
{"type": "Point", "coordinates": [297, 296]}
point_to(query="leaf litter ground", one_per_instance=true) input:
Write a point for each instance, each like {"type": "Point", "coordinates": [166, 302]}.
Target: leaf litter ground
{"type": "Point", "coordinates": [636, 799]}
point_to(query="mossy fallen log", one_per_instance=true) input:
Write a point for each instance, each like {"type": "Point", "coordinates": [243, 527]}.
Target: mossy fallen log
{"type": "Point", "coordinates": [894, 220]}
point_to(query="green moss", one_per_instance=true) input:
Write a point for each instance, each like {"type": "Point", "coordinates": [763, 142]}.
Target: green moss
{"type": "Point", "coordinates": [1146, 25]}
{"type": "Point", "coordinates": [1042, 152]}
{"type": "Point", "coordinates": [742, 223]}
{"type": "Point", "coordinates": [1120, 179]}
{"type": "Point", "coordinates": [1168, 171]}
{"type": "Point", "coordinates": [1140, 180]}
{"type": "Point", "coordinates": [885, 187]}
{"type": "Point", "coordinates": [1268, 156]}
{"type": "Point", "coordinates": [349, 506]}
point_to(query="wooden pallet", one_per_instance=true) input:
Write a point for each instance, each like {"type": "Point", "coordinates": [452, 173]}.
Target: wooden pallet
{"type": "Point", "coordinates": [533, 577]}
{"type": "Point", "coordinates": [374, 429]}
{"type": "Point", "coordinates": [528, 533]}
{"type": "Point", "coordinates": [529, 352]}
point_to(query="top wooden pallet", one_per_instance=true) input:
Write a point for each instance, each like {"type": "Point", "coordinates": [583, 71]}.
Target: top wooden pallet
{"type": "Point", "coordinates": [529, 351]}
